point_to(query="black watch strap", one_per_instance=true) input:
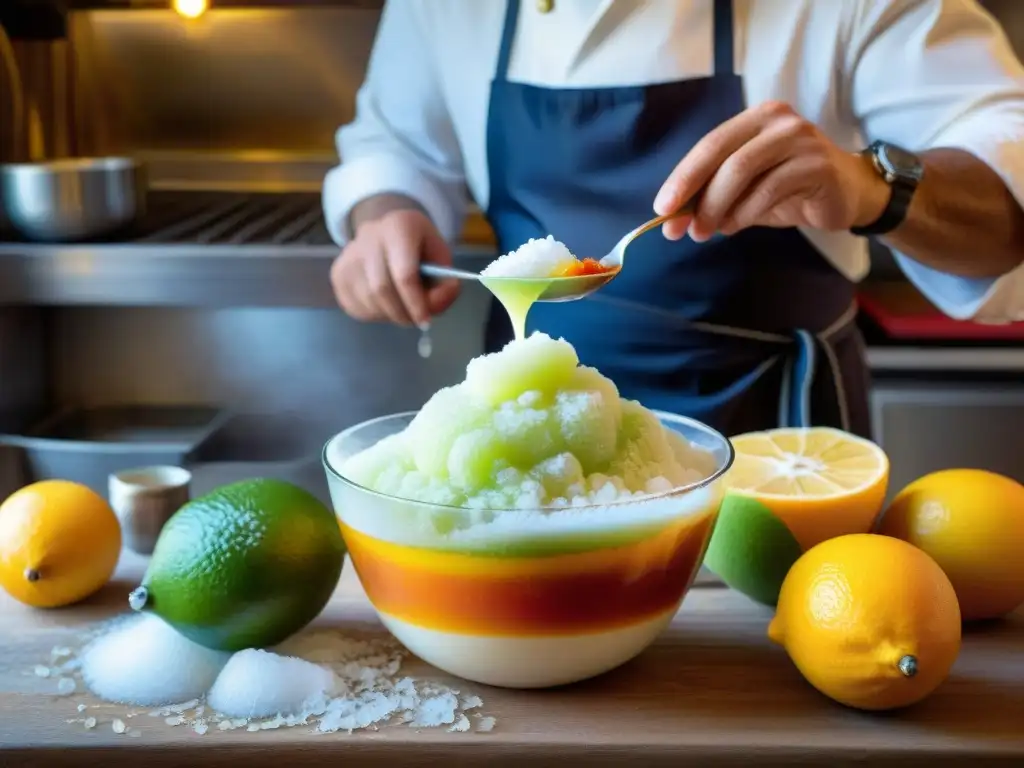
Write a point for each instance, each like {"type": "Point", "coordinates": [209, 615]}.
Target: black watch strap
{"type": "Point", "coordinates": [902, 171]}
{"type": "Point", "coordinates": [895, 212]}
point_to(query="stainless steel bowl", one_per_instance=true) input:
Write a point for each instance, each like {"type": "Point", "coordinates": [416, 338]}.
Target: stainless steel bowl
{"type": "Point", "coordinates": [73, 199]}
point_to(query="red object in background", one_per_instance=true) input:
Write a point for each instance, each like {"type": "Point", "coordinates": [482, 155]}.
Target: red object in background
{"type": "Point", "coordinates": [902, 312]}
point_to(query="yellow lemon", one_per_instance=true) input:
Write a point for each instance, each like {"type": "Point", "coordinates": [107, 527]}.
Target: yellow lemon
{"type": "Point", "coordinates": [870, 621]}
{"type": "Point", "coordinates": [820, 482]}
{"type": "Point", "coordinates": [971, 522]}
{"type": "Point", "coordinates": [59, 543]}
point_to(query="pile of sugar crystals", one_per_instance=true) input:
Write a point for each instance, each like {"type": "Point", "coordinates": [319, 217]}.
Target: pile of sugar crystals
{"type": "Point", "coordinates": [368, 691]}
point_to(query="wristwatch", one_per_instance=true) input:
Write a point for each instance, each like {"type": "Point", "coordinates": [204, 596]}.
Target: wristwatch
{"type": "Point", "coordinates": [902, 171]}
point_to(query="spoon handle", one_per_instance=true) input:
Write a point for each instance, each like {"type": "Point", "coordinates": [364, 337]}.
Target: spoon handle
{"type": "Point", "coordinates": [684, 210]}
{"type": "Point", "coordinates": [437, 271]}
{"type": "Point", "coordinates": [653, 223]}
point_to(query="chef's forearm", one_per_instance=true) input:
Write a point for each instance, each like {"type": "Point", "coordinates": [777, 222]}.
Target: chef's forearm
{"type": "Point", "coordinates": [373, 208]}
{"type": "Point", "coordinates": [963, 220]}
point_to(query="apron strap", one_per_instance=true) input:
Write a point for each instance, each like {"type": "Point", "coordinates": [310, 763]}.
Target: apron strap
{"type": "Point", "coordinates": [798, 378]}
{"type": "Point", "coordinates": [508, 35]}
{"type": "Point", "coordinates": [723, 38]}
{"type": "Point", "coordinates": [799, 360]}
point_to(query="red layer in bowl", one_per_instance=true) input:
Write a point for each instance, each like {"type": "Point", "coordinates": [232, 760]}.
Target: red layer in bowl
{"type": "Point", "coordinates": [566, 594]}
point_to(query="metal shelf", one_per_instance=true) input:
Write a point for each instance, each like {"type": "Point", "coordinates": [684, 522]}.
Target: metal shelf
{"type": "Point", "coordinates": [194, 248]}
{"type": "Point", "coordinates": [226, 218]}
{"type": "Point", "coordinates": [939, 359]}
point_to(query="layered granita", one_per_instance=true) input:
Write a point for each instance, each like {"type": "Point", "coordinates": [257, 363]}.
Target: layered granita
{"type": "Point", "coordinates": [528, 526]}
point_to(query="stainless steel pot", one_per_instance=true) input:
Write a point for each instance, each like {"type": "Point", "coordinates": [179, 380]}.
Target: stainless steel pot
{"type": "Point", "coordinates": [73, 199]}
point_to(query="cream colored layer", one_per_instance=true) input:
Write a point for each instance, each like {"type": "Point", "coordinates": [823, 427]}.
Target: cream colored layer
{"type": "Point", "coordinates": [528, 662]}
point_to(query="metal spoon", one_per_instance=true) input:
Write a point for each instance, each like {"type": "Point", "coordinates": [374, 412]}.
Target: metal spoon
{"type": "Point", "coordinates": [617, 255]}
{"type": "Point", "coordinates": [545, 288]}
{"type": "Point", "coordinates": [558, 288]}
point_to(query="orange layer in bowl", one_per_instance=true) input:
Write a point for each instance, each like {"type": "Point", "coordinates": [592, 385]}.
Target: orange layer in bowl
{"type": "Point", "coordinates": [560, 594]}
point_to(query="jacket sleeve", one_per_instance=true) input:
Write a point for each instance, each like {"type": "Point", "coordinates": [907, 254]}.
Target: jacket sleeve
{"type": "Point", "coordinates": [941, 73]}
{"type": "Point", "coordinates": [402, 140]}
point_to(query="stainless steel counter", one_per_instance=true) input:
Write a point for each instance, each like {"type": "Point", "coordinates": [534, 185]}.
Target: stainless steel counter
{"type": "Point", "coordinates": [196, 249]}
{"type": "Point", "coordinates": [932, 359]}
{"type": "Point", "coordinates": [176, 275]}
{"type": "Point", "coordinates": [181, 275]}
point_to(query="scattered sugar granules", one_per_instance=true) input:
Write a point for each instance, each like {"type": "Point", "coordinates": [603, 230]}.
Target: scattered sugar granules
{"type": "Point", "coordinates": [321, 679]}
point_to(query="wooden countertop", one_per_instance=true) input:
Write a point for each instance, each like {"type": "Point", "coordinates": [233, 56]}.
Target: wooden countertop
{"type": "Point", "coordinates": [712, 692]}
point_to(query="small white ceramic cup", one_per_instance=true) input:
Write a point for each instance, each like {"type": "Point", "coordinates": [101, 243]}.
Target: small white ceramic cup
{"type": "Point", "coordinates": [144, 500]}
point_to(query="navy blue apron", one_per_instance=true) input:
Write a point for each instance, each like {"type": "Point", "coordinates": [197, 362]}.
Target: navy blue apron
{"type": "Point", "coordinates": [730, 331]}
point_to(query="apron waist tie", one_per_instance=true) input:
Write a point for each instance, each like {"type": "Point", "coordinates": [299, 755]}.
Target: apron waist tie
{"type": "Point", "coordinates": [800, 359]}
{"type": "Point", "coordinates": [800, 366]}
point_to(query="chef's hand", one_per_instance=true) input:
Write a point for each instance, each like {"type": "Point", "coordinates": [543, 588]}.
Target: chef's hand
{"type": "Point", "coordinates": [377, 275]}
{"type": "Point", "coordinates": [769, 167]}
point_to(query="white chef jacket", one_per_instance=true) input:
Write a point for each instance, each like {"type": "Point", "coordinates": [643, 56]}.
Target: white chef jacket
{"type": "Point", "coordinates": [916, 73]}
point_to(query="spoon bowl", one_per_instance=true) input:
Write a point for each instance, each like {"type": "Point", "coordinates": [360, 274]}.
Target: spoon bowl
{"type": "Point", "coordinates": [539, 288]}
{"type": "Point", "coordinates": [533, 289]}
{"type": "Point", "coordinates": [518, 294]}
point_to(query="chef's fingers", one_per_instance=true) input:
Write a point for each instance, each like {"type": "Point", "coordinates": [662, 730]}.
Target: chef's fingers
{"type": "Point", "coordinates": [741, 171]}
{"type": "Point", "coordinates": [674, 229]}
{"type": "Point", "coordinates": [442, 293]}
{"type": "Point", "coordinates": [701, 162]}
{"type": "Point", "coordinates": [349, 284]}
{"type": "Point", "coordinates": [765, 203]}
{"type": "Point", "coordinates": [404, 248]}
{"type": "Point", "coordinates": [382, 293]}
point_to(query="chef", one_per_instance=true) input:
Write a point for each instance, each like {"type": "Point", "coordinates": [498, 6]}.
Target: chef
{"type": "Point", "coordinates": [801, 127]}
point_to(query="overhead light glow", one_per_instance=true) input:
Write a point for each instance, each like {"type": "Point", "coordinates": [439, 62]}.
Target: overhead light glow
{"type": "Point", "coordinates": [190, 9]}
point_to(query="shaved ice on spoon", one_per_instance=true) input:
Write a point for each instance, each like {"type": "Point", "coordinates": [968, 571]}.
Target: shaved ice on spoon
{"type": "Point", "coordinates": [540, 258]}
{"type": "Point", "coordinates": [537, 257]}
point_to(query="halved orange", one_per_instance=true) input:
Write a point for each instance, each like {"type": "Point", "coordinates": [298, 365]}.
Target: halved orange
{"type": "Point", "coordinates": [821, 482]}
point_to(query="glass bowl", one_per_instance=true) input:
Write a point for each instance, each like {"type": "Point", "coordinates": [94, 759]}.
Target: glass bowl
{"type": "Point", "coordinates": [526, 598]}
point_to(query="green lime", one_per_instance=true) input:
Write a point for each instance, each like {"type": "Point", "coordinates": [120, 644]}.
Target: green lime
{"type": "Point", "coordinates": [245, 566]}
{"type": "Point", "coordinates": [751, 550]}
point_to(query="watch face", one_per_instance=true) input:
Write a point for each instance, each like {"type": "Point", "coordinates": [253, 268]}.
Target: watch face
{"type": "Point", "coordinates": [899, 163]}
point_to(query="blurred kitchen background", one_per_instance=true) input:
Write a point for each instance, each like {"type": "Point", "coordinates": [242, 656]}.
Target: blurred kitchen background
{"type": "Point", "coordinates": [206, 334]}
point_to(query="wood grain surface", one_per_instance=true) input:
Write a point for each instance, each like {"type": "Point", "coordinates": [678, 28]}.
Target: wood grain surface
{"type": "Point", "coordinates": [712, 692]}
